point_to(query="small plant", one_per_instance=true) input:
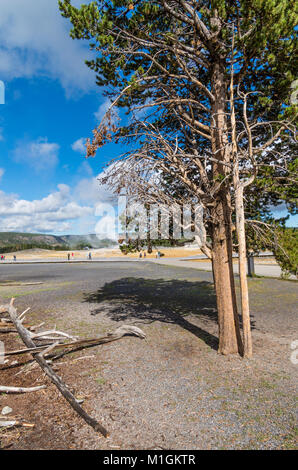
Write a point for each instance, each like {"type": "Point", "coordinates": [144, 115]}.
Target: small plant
{"type": "Point", "coordinates": [100, 380]}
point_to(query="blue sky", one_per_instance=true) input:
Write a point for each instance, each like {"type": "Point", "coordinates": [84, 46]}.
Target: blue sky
{"type": "Point", "coordinates": [51, 105]}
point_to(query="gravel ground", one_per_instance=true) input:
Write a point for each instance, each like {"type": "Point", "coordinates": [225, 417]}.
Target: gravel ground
{"type": "Point", "coordinates": [170, 391]}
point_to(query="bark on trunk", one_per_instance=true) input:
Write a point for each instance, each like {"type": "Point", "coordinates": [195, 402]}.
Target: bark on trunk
{"type": "Point", "coordinates": [222, 251]}
{"type": "Point", "coordinates": [229, 330]}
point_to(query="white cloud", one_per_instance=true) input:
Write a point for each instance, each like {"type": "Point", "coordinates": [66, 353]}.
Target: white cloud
{"type": "Point", "coordinates": [2, 171]}
{"type": "Point", "coordinates": [89, 208]}
{"type": "Point", "coordinates": [33, 225]}
{"type": "Point", "coordinates": [39, 154]}
{"type": "Point", "coordinates": [35, 41]}
{"type": "Point", "coordinates": [79, 146]}
{"type": "Point", "coordinates": [54, 213]}
{"type": "Point", "coordinates": [105, 203]}
{"type": "Point", "coordinates": [91, 191]}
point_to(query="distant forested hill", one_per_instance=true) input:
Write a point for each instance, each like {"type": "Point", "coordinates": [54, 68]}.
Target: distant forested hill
{"type": "Point", "coordinates": [16, 241]}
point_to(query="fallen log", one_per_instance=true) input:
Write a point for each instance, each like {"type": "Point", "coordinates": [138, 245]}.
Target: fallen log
{"type": "Point", "coordinates": [4, 389]}
{"type": "Point", "coordinates": [26, 338]}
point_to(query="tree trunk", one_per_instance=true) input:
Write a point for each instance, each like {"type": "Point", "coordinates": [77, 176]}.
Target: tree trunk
{"type": "Point", "coordinates": [228, 322]}
{"type": "Point", "coordinates": [240, 222]}
{"type": "Point", "coordinates": [222, 251]}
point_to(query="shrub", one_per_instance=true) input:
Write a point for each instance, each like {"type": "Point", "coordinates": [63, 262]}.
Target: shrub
{"type": "Point", "coordinates": [286, 250]}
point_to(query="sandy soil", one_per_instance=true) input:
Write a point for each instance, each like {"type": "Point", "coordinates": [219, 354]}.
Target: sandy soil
{"type": "Point", "coordinates": [100, 253]}
{"type": "Point", "coordinates": [176, 252]}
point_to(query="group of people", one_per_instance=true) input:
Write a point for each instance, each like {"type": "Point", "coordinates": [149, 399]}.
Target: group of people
{"type": "Point", "coordinates": [143, 255]}
{"type": "Point", "coordinates": [72, 256]}
{"type": "Point", "coordinates": [3, 257]}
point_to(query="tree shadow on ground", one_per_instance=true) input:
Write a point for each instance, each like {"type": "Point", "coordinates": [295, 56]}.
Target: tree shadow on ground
{"type": "Point", "coordinates": [167, 301]}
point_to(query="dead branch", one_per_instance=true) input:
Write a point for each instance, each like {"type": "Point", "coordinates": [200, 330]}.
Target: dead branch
{"type": "Point", "coordinates": [53, 339]}
{"type": "Point", "coordinates": [4, 389]}
{"type": "Point", "coordinates": [26, 338]}
{"type": "Point", "coordinates": [23, 351]}
{"type": "Point", "coordinates": [125, 330]}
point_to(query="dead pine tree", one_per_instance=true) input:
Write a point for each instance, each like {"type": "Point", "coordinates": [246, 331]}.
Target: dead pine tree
{"type": "Point", "coordinates": [168, 64]}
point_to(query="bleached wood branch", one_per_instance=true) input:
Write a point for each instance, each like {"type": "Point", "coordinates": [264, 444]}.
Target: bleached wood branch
{"type": "Point", "coordinates": [39, 353]}
{"type": "Point", "coordinates": [125, 330]}
{"type": "Point", "coordinates": [26, 338]}
{"type": "Point", "coordinates": [4, 389]}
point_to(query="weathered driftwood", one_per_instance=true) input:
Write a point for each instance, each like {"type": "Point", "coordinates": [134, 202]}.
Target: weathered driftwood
{"type": "Point", "coordinates": [53, 340]}
{"type": "Point", "coordinates": [125, 330]}
{"type": "Point", "coordinates": [26, 338]}
{"type": "Point", "coordinates": [45, 335]}
{"type": "Point", "coordinates": [23, 351]}
{"type": "Point", "coordinates": [4, 389]}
